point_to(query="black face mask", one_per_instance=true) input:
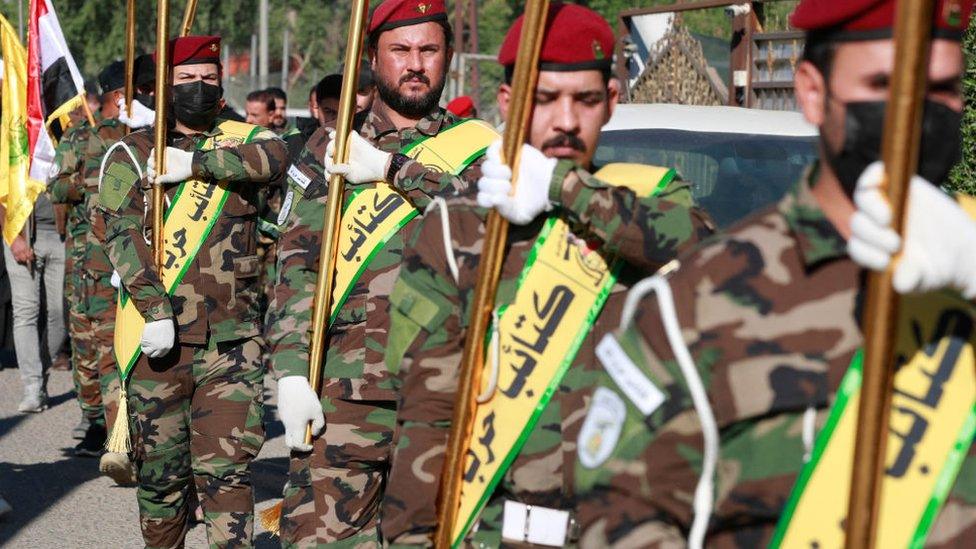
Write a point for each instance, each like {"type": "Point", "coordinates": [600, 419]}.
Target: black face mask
{"type": "Point", "coordinates": [941, 145]}
{"type": "Point", "coordinates": [196, 104]}
{"type": "Point", "coordinates": [148, 101]}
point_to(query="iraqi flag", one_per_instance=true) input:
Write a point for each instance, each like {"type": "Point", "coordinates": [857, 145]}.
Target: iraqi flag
{"type": "Point", "coordinates": [54, 86]}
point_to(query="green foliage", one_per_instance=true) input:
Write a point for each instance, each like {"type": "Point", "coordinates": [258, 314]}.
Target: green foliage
{"type": "Point", "coordinates": [963, 178]}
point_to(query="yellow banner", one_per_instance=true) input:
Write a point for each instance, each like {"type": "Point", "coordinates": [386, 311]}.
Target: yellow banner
{"type": "Point", "coordinates": [562, 290]}
{"type": "Point", "coordinates": [189, 220]}
{"type": "Point", "coordinates": [931, 428]}
{"type": "Point", "coordinates": [17, 191]}
{"type": "Point", "coordinates": [377, 212]}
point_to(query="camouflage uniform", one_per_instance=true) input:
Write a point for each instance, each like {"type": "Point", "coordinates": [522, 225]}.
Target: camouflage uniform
{"type": "Point", "coordinates": [197, 411]}
{"type": "Point", "coordinates": [68, 188]}
{"type": "Point", "coordinates": [333, 492]}
{"type": "Point", "coordinates": [96, 293]}
{"type": "Point", "coordinates": [770, 315]}
{"type": "Point", "coordinates": [431, 313]}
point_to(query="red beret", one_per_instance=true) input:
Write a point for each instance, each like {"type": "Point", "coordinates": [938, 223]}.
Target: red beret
{"type": "Point", "coordinates": [576, 39]}
{"type": "Point", "coordinates": [874, 19]}
{"type": "Point", "coordinates": [461, 106]}
{"type": "Point", "coordinates": [192, 50]}
{"type": "Point", "coordinates": [401, 13]}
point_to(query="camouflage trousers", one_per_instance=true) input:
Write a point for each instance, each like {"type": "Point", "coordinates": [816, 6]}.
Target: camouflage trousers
{"type": "Point", "coordinates": [91, 320]}
{"type": "Point", "coordinates": [80, 330]}
{"type": "Point", "coordinates": [198, 417]}
{"type": "Point", "coordinates": [333, 494]}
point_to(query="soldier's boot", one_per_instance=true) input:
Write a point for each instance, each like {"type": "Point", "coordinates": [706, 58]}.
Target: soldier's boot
{"type": "Point", "coordinates": [94, 442]}
{"type": "Point", "coordinates": [118, 467]}
{"type": "Point", "coordinates": [78, 433]}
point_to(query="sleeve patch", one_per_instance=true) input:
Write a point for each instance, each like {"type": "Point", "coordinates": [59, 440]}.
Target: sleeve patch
{"type": "Point", "coordinates": [601, 428]}
{"type": "Point", "coordinates": [638, 387]}
{"type": "Point", "coordinates": [116, 183]}
{"type": "Point", "coordinates": [286, 207]}
{"type": "Point", "coordinates": [419, 307]}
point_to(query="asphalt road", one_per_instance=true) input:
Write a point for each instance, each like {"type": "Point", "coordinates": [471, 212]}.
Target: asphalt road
{"type": "Point", "coordinates": [62, 501]}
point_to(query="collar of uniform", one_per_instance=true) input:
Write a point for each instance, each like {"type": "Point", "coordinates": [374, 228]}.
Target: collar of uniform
{"type": "Point", "coordinates": [377, 125]}
{"type": "Point", "coordinates": [817, 238]}
{"type": "Point", "coordinates": [173, 135]}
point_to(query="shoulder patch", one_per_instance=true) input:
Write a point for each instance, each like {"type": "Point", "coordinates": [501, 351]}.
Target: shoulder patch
{"type": "Point", "coordinates": [117, 181]}
{"type": "Point", "coordinates": [629, 378]}
{"type": "Point", "coordinates": [286, 208]}
{"type": "Point", "coordinates": [300, 179]}
{"type": "Point", "coordinates": [601, 428]}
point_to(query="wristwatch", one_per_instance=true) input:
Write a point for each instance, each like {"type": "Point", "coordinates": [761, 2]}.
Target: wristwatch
{"type": "Point", "coordinates": [396, 163]}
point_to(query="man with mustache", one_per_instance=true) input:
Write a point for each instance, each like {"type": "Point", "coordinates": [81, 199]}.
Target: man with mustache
{"type": "Point", "coordinates": [644, 219]}
{"type": "Point", "coordinates": [335, 483]}
{"type": "Point", "coordinates": [748, 350]}
{"type": "Point", "coordinates": [195, 390]}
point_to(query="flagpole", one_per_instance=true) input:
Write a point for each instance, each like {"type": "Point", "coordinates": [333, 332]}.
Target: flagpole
{"type": "Point", "coordinates": [489, 270]}
{"type": "Point", "coordinates": [130, 54]}
{"type": "Point", "coordinates": [900, 149]}
{"type": "Point", "coordinates": [189, 14]}
{"type": "Point", "coordinates": [87, 109]}
{"type": "Point", "coordinates": [162, 77]}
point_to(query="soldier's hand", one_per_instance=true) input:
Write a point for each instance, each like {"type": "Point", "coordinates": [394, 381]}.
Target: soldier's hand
{"type": "Point", "coordinates": [531, 196]}
{"type": "Point", "coordinates": [937, 250]}
{"type": "Point", "coordinates": [366, 163]}
{"type": "Point", "coordinates": [21, 250]}
{"type": "Point", "coordinates": [158, 337]}
{"type": "Point", "coordinates": [298, 405]}
{"type": "Point", "coordinates": [141, 117]}
{"type": "Point", "coordinates": [179, 166]}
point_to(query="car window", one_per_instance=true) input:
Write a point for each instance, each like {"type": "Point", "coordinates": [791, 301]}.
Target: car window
{"type": "Point", "coordinates": [731, 174]}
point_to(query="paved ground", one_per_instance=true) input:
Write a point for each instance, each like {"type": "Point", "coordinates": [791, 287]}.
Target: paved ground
{"type": "Point", "coordinates": [61, 501]}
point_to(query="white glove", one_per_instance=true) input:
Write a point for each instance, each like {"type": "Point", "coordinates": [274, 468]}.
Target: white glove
{"type": "Point", "coordinates": [158, 338]}
{"type": "Point", "coordinates": [142, 115]}
{"type": "Point", "coordinates": [179, 166]}
{"type": "Point", "coordinates": [938, 237]}
{"type": "Point", "coordinates": [366, 164]}
{"type": "Point", "coordinates": [297, 406]}
{"type": "Point", "coordinates": [116, 280]}
{"type": "Point", "coordinates": [532, 188]}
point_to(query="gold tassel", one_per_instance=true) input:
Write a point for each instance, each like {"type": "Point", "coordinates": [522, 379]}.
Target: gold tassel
{"type": "Point", "coordinates": [119, 441]}
{"type": "Point", "coordinates": [271, 519]}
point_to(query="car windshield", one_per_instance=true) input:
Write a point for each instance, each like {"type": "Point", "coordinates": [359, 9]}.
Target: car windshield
{"type": "Point", "coordinates": [731, 174]}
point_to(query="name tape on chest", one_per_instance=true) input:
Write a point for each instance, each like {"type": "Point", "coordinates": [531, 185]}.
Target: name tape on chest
{"type": "Point", "coordinates": [300, 179]}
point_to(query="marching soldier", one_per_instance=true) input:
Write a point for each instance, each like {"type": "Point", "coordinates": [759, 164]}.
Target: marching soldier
{"type": "Point", "coordinates": [554, 281]}
{"type": "Point", "coordinates": [335, 484]}
{"type": "Point", "coordinates": [97, 291]}
{"type": "Point", "coordinates": [67, 190]}
{"type": "Point", "coordinates": [195, 390]}
{"type": "Point", "coordinates": [710, 421]}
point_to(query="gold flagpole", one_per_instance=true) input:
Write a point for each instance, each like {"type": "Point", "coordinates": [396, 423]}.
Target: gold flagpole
{"type": "Point", "coordinates": [900, 148]}
{"type": "Point", "coordinates": [188, 15]}
{"type": "Point", "coordinates": [516, 129]}
{"type": "Point", "coordinates": [322, 304]}
{"type": "Point", "coordinates": [130, 54]}
{"type": "Point", "coordinates": [162, 78]}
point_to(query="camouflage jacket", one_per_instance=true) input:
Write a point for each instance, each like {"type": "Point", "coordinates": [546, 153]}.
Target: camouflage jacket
{"type": "Point", "coordinates": [431, 313]}
{"type": "Point", "coordinates": [355, 367]}
{"type": "Point", "coordinates": [769, 312]}
{"type": "Point", "coordinates": [67, 186]}
{"type": "Point", "coordinates": [107, 133]}
{"type": "Point", "coordinates": [218, 295]}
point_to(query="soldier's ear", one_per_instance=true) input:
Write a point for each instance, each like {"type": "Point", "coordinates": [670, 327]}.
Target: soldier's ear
{"type": "Point", "coordinates": [811, 92]}
{"type": "Point", "coordinates": [504, 96]}
{"type": "Point", "coordinates": [613, 97]}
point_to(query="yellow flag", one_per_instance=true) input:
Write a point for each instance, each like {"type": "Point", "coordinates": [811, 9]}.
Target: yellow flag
{"type": "Point", "coordinates": [17, 191]}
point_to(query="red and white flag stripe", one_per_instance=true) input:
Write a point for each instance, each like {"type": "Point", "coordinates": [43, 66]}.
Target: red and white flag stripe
{"type": "Point", "coordinates": [54, 85]}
